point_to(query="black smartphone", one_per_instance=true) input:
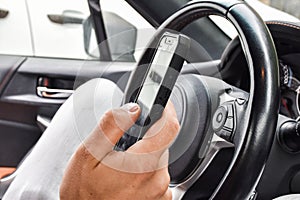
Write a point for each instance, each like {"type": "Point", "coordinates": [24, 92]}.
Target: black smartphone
{"type": "Point", "coordinates": [157, 84]}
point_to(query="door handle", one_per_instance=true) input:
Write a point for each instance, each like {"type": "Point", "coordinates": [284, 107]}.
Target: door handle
{"type": "Point", "coordinates": [60, 19]}
{"type": "Point", "coordinates": [3, 13]}
{"type": "Point", "coordinates": [53, 93]}
{"type": "Point", "coordinates": [67, 17]}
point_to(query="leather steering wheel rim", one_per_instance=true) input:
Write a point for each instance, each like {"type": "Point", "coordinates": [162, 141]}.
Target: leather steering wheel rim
{"type": "Point", "coordinates": [262, 113]}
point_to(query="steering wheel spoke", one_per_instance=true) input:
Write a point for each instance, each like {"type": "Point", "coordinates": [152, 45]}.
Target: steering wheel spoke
{"type": "Point", "coordinates": [231, 102]}
{"type": "Point", "coordinates": [207, 174]}
{"type": "Point", "coordinates": [228, 109]}
{"type": "Point", "coordinates": [230, 115]}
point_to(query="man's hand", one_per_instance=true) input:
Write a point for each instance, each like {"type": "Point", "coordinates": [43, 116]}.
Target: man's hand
{"type": "Point", "coordinates": [96, 171]}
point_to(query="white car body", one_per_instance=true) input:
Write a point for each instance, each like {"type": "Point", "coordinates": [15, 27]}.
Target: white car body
{"type": "Point", "coordinates": [28, 31]}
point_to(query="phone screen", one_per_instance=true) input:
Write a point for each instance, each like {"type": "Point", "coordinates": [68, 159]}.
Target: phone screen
{"type": "Point", "coordinates": [156, 73]}
{"type": "Point", "coordinates": [156, 86]}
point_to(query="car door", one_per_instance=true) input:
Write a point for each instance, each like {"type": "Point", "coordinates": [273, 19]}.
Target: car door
{"type": "Point", "coordinates": [34, 83]}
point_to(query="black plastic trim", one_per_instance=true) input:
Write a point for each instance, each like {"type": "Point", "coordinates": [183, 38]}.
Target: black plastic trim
{"type": "Point", "coordinates": [100, 31]}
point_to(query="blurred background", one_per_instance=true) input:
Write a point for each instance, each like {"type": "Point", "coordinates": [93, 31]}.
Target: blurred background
{"type": "Point", "coordinates": [289, 6]}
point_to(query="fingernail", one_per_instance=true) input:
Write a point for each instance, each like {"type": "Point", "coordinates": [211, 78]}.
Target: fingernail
{"type": "Point", "coordinates": [131, 107]}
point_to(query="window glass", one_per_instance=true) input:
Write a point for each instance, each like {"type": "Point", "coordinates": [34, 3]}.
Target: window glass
{"type": "Point", "coordinates": [55, 39]}
{"type": "Point", "coordinates": [42, 28]}
{"type": "Point", "coordinates": [291, 6]}
{"type": "Point", "coordinates": [67, 41]}
{"type": "Point", "coordinates": [269, 10]}
{"type": "Point", "coordinates": [15, 36]}
{"type": "Point", "coordinates": [144, 30]}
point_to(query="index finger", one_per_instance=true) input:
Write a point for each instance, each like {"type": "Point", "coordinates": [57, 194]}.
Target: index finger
{"type": "Point", "coordinates": [161, 135]}
{"type": "Point", "coordinates": [150, 153]}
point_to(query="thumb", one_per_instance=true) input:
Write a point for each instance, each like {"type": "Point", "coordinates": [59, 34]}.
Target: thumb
{"type": "Point", "coordinates": [111, 127]}
{"type": "Point", "coordinates": [115, 122]}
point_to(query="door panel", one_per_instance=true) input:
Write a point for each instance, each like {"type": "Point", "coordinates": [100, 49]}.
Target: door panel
{"type": "Point", "coordinates": [22, 110]}
{"type": "Point", "coordinates": [16, 139]}
{"type": "Point", "coordinates": [20, 105]}
{"type": "Point", "coordinates": [8, 66]}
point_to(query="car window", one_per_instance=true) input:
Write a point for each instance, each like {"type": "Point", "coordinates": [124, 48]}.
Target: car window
{"type": "Point", "coordinates": [55, 28]}
{"type": "Point", "coordinates": [52, 38]}
{"type": "Point", "coordinates": [269, 10]}
{"type": "Point", "coordinates": [15, 29]}
{"type": "Point", "coordinates": [144, 30]}
{"type": "Point", "coordinates": [292, 6]}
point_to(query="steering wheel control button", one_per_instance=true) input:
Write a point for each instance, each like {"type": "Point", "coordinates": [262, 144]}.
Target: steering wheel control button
{"type": "Point", "coordinates": [229, 124]}
{"type": "Point", "coordinates": [289, 136]}
{"type": "Point", "coordinates": [219, 118]}
{"type": "Point", "coordinates": [241, 101]}
{"type": "Point", "coordinates": [170, 40]}
{"type": "Point", "coordinates": [225, 134]}
{"type": "Point", "coordinates": [224, 121]}
{"type": "Point", "coordinates": [230, 110]}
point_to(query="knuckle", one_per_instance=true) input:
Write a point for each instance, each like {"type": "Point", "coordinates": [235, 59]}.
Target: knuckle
{"type": "Point", "coordinates": [82, 153]}
{"type": "Point", "coordinates": [166, 181]}
{"type": "Point", "coordinates": [107, 122]}
{"type": "Point", "coordinates": [174, 125]}
{"type": "Point", "coordinates": [168, 195]}
{"type": "Point", "coordinates": [144, 178]}
{"type": "Point", "coordinates": [159, 191]}
{"type": "Point", "coordinates": [160, 185]}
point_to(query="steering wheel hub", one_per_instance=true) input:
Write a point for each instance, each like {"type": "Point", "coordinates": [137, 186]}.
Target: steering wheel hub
{"type": "Point", "coordinates": [255, 129]}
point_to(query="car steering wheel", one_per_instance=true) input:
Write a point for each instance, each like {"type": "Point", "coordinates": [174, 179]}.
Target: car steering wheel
{"type": "Point", "coordinates": [255, 115]}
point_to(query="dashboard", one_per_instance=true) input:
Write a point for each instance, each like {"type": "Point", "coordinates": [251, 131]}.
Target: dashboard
{"type": "Point", "coordinates": [287, 41]}
{"type": "Point", "coordinates": [234, 70]}
{"type": "Point", "coordinates": [290, 90]}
